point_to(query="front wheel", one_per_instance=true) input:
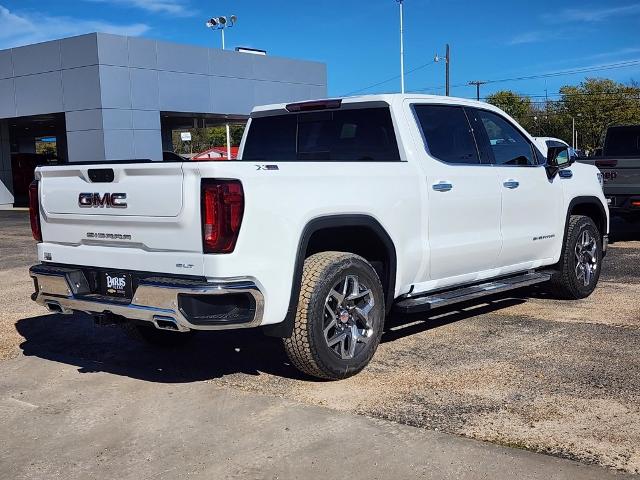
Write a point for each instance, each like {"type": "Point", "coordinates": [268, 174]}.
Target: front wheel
{"type": "Point", "coordinates": [340, 316]}
{"type": "Point", "coordinates": [577, 273]}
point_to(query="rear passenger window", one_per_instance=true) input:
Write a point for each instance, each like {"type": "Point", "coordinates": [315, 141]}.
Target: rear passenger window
{"type": "Point", "coordinates": [356, 135]}
{"type": "Point", "coordinates": [447, 133]}
{"type": "Point", "coordinates": [272, 139]}
{"type": "Point", "coordinates": [508, 145]}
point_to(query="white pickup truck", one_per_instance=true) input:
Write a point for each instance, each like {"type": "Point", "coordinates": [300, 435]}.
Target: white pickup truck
{"type": "Point", "coordinates": [335, 212]}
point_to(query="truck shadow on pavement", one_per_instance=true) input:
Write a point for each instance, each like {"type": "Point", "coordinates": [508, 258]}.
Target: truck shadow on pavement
{"type": "Point", "coordinates": [75, 340]}
{"type": "Point", "coordinates": [622, 231]}
{"type": "Point", "coordinates": [398, 326]}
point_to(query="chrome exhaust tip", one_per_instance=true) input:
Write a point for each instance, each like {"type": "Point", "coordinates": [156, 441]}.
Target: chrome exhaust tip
{"type": "Point", "coordinates": [168, 323]}
{"type": "Point", "coordinates": [55, 307]}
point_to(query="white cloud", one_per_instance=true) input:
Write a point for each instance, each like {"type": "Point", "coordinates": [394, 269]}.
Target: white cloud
{"type": "Point", "coordinates": [613, 54]}
{"type": "Point", "coordinates": [154, 6]}
{"type": "Point", "coordinates": [23, 29]}
{"type": "Point", "coordinates": [527, 37]}
{"type": "Point", "coordinates": [591, 15]}
{"type": "Point", "coordinates": [573, 19]}
{"type": "Point", "coordinates": [535, 37]}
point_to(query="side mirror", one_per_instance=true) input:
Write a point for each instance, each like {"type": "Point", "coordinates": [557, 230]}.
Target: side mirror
{"type": "Point", "coordinates": [557, 159]}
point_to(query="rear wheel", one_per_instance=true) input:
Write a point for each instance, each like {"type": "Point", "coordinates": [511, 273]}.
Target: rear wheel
{"type": "Point", "coordinates": [151, 335]}
{"type": "Point", "coordinates": [340, 316]}
{"type": "Point", "coordinates": [577, 273]}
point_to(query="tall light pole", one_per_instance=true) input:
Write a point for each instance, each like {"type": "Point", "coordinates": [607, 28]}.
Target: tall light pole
{"type": "Point", "coordinates": [574, 137]}
{"type": "Point", "coordinates": [222, 23]}
{"type": "Point", "coordinates": [401, 3]}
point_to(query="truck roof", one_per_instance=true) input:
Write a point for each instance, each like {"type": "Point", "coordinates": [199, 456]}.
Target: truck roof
{"type": "Point", "coordinates": [389, 98]}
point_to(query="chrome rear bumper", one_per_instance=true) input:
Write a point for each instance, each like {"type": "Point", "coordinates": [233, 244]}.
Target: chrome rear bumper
{"type": "Point", "coordinates": [156, 299]}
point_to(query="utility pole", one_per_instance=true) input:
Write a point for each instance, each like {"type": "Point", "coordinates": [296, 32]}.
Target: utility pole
{"type": "Point", "coordinates": [448, 60]}
{"type": "Point", "coordinates": [477, 83]}
{"type": "Point", "coordinates": [401, 2]}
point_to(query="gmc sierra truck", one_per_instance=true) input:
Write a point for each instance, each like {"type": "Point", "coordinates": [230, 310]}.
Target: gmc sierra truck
{"type": "Point", "coordinates": [620, 167]}
{"type": "Point", "coordinates": [335, 212]}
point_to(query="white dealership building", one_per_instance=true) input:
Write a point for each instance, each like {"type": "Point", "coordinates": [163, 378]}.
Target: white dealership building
{"type": "Point", "coordinates": [109, 97]}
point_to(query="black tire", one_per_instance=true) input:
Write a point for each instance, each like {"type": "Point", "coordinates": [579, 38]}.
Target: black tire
{"type": "Point", "coordinates": [566, 282]}
{"type": "Point", "coordinates": [160, 338]}
{"type": "Point", "coordinates": [308, 347]}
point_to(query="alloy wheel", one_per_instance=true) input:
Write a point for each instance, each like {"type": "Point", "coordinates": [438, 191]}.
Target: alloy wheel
{"type": "Point", "coordinates": [348, 325]}
{"type": "Point", "coordinates": [586, 252]}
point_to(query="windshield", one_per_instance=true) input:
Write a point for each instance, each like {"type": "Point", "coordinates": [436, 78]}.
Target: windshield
{"type": "Point", "coordinates": [355, 135]}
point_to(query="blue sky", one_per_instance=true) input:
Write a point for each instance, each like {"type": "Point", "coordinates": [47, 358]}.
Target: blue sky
{"type": "Point", "coordinates": [358, 39]}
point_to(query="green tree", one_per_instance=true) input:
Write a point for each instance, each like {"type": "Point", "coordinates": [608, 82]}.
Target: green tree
{"type": "Point", "coordinates": [597, 104]}
{"type": "Point", "coordinates": [594, 104]}
{"type": "Point", "coordinates": [517, 106]}
{"type": "Point", "coordinates": [47, 149]}
{"type": "Point", "coordinates": [205, 138]}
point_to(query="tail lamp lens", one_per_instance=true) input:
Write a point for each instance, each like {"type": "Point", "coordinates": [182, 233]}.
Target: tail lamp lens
{"type": "Point", "coordinates": [34, 211]}
{"type": "Point", "coordinates": [222, 211]}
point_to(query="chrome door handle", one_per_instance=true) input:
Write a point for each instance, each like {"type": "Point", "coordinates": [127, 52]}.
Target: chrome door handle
{"type": "Point", "coordinates": [442, 186]}
{"type": "Point", "coordinates": [511, 184]}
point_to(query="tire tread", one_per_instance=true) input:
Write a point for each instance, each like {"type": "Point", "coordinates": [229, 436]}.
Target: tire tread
{"type": "Point", "coordinates": [562, 283]}
{"type": "Point", "coordinates": [301, 348]}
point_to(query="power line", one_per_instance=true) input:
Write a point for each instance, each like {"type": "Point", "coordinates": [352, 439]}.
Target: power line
{"type": "Point", "coordinates": [389, 79]}
{"type": "Point", "coordinates": [594, 95]}
{"type": "Point", "coordinates": [572, 94]}
{"type": "Point", "coordinates": [477, 83]}
{"type": "Point", "coordinates": [611, 66]}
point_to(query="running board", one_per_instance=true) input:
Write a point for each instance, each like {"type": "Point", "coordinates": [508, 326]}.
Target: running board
{"type": "Point", "coordinates": [425, 302]}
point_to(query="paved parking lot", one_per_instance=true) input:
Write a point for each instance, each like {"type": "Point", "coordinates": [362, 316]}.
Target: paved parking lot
{"type": "Point", "coordinates": [523, 371]}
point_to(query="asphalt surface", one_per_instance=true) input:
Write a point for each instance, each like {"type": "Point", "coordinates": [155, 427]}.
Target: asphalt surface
{"type": "Point", "coordinates": [59, 423]}
{"type": "Point", "coordinates": [522, 371]}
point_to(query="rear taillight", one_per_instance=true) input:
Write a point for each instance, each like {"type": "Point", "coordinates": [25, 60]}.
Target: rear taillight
{"type": "Point", "coordinates": [34, 211]}
{"type": "Point", "coordinates": [222, 210]}
{"type": "Point", "coordinates": [607, 163]}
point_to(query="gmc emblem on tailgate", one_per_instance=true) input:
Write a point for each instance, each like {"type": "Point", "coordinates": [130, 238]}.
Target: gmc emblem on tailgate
{"type": "Point", "coordinates": [108, 200]}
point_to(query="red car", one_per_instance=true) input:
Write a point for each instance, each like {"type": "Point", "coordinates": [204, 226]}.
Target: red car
{"type": "Point", "coordinates": [217, 153]}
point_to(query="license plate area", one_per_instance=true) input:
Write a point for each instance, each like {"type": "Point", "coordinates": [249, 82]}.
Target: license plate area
{"type": "Point", "coordinates": [116, 284]}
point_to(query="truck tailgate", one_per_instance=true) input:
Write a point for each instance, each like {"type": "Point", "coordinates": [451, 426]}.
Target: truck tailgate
{"type": "Point", "coordinates": [115, 214]}
{"type": "Point", "coordinates": [152, 190]}
{"type": "Point", "coordinates": [621, 175]}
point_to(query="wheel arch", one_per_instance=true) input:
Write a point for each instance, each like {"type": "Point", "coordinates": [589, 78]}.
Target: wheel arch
{"type": "Point", "coordinates": [588, 206]}
{"type": "Point", "coordinates": [310, 242]}
{"type": "Point", "coordinates": [591, 207]}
